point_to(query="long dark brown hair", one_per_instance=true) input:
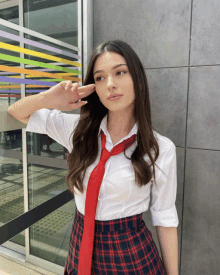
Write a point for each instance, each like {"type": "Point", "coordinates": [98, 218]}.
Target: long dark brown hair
{"type": "Point", "coordinates": [85, 137]}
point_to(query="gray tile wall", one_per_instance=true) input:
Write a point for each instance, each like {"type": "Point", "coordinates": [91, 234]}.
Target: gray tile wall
{"type": "Point", "coordinates": [178, 44]}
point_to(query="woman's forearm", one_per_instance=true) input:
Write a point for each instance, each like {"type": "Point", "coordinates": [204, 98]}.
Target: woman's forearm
{"type": "Point", "coordinates": [168, 241]}
{"type": "Point", "coordinates": [26, 106]}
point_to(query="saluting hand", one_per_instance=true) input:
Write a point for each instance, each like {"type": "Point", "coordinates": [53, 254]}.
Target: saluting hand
{"type": "Point", "coordinates": [64, 95]}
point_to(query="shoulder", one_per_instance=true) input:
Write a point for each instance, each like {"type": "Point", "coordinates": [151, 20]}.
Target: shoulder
{"type": "Point", "coordinates": [166, 148]}
{"type": "Point", "coordinates": [165, 144]}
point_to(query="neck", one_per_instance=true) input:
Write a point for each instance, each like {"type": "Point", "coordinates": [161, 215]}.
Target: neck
{"type": "Point", "coordinates": [120, 123]}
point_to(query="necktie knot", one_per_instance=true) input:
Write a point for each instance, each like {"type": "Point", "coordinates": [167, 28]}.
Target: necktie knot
{"type": "Point", "coordinates": [105, 155]}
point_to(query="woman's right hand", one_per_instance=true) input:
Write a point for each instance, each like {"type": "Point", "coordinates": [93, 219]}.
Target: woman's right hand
{"type": "Point", "coordinates": [64, 95]}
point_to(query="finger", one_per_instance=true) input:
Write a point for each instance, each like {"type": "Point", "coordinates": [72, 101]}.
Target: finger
{"type": "Point", "coordinates": [74, 86]}
{"type": "Point", "coordinates": [64, 83]}
{"type": "Point", "coordinates": [86, 92]}
{"type": "Point", "coordinates": [86, 88]}
{"type": "Point", "coordinates": [81, 95]}
{"type": "Point", "coordinates": [68, 85]}
{"type": "Point", "coordinates": [78, 104]}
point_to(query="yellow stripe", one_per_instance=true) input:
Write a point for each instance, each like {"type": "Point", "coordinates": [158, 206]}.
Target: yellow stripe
{"type": "Point", "coordinates": [19, 86]}
{"type": "Point", "coordinates": [26, 71]}
{"type": "Point", "coordinates": [38, 54]}
{"type": "Point", "coordinates": [29, 75]}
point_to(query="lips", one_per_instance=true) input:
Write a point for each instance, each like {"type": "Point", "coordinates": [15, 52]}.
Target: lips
{"type": "Point", "coordinates": [114, 95]}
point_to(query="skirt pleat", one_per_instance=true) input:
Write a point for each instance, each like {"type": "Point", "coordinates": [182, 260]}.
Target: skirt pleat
{"type": "Point", "coordinates": [121, 247]}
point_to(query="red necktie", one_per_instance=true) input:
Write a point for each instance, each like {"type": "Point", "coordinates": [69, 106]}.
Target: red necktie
{"type": "Point", "coordinates": [94, 184]}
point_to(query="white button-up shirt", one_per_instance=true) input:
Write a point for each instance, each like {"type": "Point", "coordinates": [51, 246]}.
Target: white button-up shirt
{"type": "Point", "coordinates": [119, 195]}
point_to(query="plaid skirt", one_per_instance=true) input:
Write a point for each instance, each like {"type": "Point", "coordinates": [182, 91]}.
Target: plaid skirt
{"type": "Point", "coordinates": [121, 247]}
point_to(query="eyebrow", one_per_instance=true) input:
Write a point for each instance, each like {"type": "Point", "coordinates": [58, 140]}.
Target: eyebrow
{"type": "Point", "coordinates": [116, 66]}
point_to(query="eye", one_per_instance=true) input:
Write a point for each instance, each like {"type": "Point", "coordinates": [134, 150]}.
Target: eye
{"type": "Point", "coordinates": [116, 74]}
{"type": "Point", "coordinates": [121, 72]}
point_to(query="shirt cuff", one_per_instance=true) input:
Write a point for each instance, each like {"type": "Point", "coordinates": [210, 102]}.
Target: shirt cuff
{"type": "Point", "coordinates": [167, 218]}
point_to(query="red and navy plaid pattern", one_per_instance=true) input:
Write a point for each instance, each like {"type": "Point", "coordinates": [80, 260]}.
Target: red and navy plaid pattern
{"type": "Point", "coordinates": [121, 247]}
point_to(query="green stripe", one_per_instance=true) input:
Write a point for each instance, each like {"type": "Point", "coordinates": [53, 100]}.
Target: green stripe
{"type": "Point", "coordinates": [36, 63]}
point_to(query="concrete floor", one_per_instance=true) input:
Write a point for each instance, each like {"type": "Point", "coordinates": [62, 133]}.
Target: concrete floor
{"type": "Point", "coordinates": [12, 266]}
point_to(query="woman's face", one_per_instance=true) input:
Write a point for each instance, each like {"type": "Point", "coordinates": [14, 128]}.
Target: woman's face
{"type": "Point", "coordinates": [113, 80]}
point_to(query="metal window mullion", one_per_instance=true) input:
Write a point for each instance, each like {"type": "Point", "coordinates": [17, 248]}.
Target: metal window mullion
{"type": "Point", "coordinates": [87, 33]}
{"type": "Point", "coordinates": [79, 15]}
{"type": "Point", "coordinates": [24, 140]}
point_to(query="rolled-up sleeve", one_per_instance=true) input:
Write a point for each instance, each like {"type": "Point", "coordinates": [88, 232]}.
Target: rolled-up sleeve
{"type": "Point", "coordinates": [163, 208]}
{"type": "Point", "coordinates": [54, 123]}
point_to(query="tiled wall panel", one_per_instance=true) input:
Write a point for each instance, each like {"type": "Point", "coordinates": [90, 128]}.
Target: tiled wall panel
{"type": "Point", "coordinates": [169, 37]}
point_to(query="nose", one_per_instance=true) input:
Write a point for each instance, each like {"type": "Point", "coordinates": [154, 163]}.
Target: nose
{"type": "Point", "coordinates": [110, 83]}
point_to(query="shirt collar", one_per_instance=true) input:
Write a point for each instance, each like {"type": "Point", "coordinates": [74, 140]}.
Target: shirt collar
{"type": "Point", "coordinates": [103, 127]}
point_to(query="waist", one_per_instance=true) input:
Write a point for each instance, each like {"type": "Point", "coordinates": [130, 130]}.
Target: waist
{"type": "Point", "coordinates": [121, 225]}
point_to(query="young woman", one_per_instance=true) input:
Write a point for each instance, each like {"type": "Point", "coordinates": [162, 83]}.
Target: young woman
{"type": "Point", "coordinates": [115, 161]}
{"type": "Point", "coordinates": [124, 193]}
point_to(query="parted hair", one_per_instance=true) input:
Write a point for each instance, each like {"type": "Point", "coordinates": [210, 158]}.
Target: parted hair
{"type": "Point", "coordinates": [85, 134]}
